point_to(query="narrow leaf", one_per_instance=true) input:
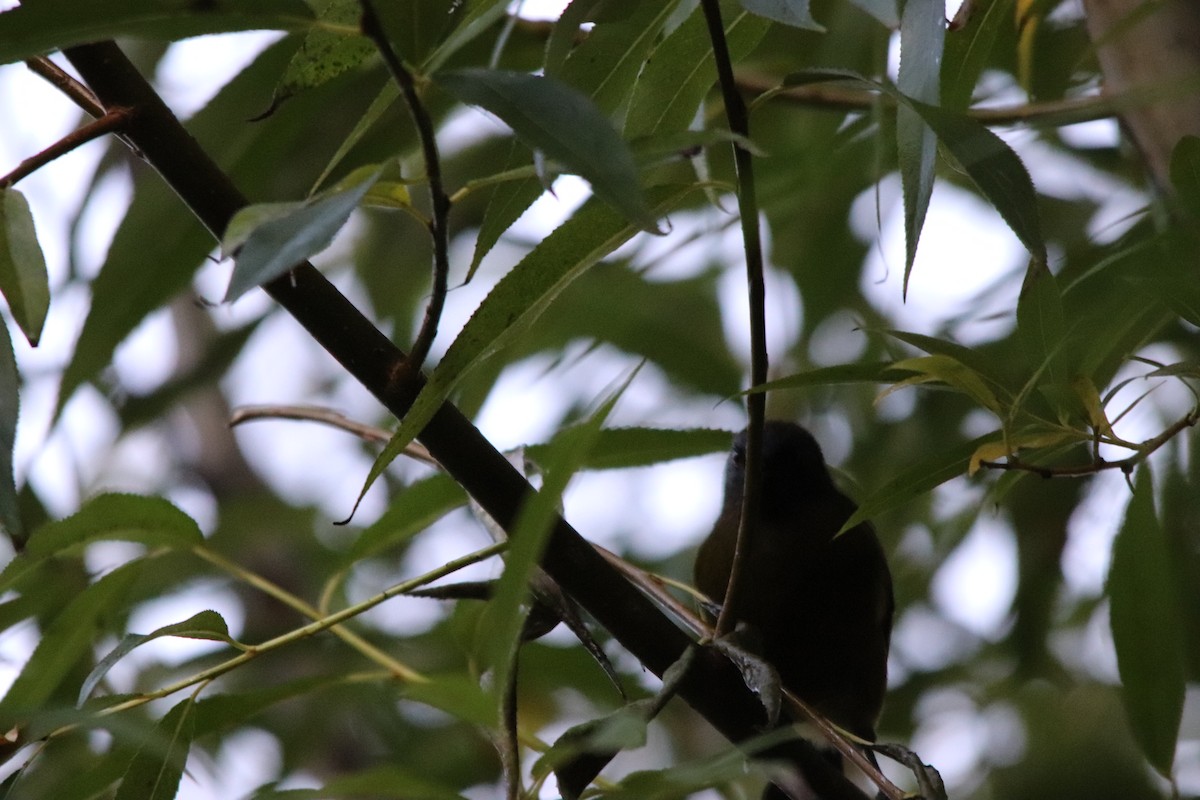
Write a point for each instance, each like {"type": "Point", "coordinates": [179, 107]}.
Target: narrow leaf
{"type": "Point", "coordinates": [23, 278]}
{"type": "Point", "coordinates": [918, 478]}
{"type": "Point", "coordinates": [1040, 321]}
{"type": "Point", "coordinates": [151, 521]}
{"type": "Point", "coordinates": [622, 448]}
{"type": "Point", "coordinates": [550, 116]}
{"type": "Point", "coordinates": [879, 372]}
{"type": "Point", "coordinates": [205, 625]}
{"type": "Point", "coordinates": [36, 28]}
{"type": "Point", "coordinates": [922, 38]}
{"type": "Point", "coordinates": [413, 510]}
{"type": "Point", "coordinates": [272, 239]}
{"type": "Point", "coordinates": [329, 49]}
{"type": "Point", "coordinates": [10, 409]}
{"type": "Point", "coordinates": [1146, 627]}
{"type": "Point", "coordinates": [1185, 173]}
{"type": "Point", "coordinates": [156, 769]}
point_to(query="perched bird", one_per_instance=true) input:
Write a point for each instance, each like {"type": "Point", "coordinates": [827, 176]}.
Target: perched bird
{"type": "Point", "coordinates": [819, 607]}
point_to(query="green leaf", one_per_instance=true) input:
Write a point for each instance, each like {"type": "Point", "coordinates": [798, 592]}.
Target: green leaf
{"type": "Point", "coordinates": [482, 16]}
{"type": "Point", "coordinates": [39, 27]}
{"type": "Point", "coordinates": [918, 478]}
{"type": "Point", "coordinates": [204, 625]}
{"type": "Point", "coordinates": [879, 372]}
{"type": "Point", "coordinates": [381, 783]}
{"type": "Point", "coordinates": [622, 448]}
{"type": "Point", "coordinates": [789, 12]}
{"type": "Point", "coordinates": [389, 94]}
{"type": "Point", "coordinates": [65, 641]}
{"type": "Point", "coordinates": [23, 279]}
{"type": "Point", "coordinates": [223, 712]}
{"type": "Point", "coordinates": [516, 302]}
{"type": "Point", "coordinates": [271, 238]}
{"type": "Point", "coordinates": [503, 621]}
{"type": "Point", "coordinates": [414, 509]}
{"type": "Point", "coordinates": [922, 39]}
{"type": "Point", "coordinates": [566, 125]}
{"type": "Point", "coordinates": [151, 521]}
{"type": "Point", "coordinates": [883, 10]}
{"type": "Point", "coordinates": [1040, 321]}
{"type": "Point", "coordinates": [329, 49]}
{"type": "Point", "coordinates": [459, 695]}
{"type": "Point", "coordinates": [676, 80]}
{"type": "Point", "coordinates": [997, 171]}
{"type": "Point", "coordinates": [1185, 173]}
{"type": "Point", "coordinates": [10, 410]}
{"type": "Point", "coordinates": [155, 772]}
{"type": "Point", "coordinates": [969, 48]}
{"type": "Point", "coordinates": [950, 372]}
{"type": "Point", "coordinates": [1146, 627]}
{"type": "Point", "coordinates": [623, 729]}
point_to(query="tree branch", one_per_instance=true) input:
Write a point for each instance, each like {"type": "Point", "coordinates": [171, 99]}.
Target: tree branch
{"type": "Point", "coordinates": [713, 686]}
{"type": "Point", "coordinates": [111, 122]}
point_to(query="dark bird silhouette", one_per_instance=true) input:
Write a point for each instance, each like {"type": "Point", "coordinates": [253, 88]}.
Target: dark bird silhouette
{"type": "Point", "coordinates": [819, 608]}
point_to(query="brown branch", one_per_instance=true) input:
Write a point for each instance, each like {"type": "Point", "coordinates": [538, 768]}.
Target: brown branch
{"type": "Point", "coordinates": [111, 122]}
{"type": "Point", "coordinates": [439, 222]}
{"type": "Point", "coordinates": [65, 83]}
{"type": "Point", "coordinates": [712, 686]}
{"type": "Point", "coordinates": [327, 416]}
{"type": "Point", "coordinates": [1126, 465]}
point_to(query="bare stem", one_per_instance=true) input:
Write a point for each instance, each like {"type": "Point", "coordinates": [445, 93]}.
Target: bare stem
{"type": "Point", "coordinates": [438, 224]}
{"type": "Point", "coordinates": [110, 122]}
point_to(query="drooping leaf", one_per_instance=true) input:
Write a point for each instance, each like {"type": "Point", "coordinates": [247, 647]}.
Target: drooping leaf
{"type": "Point", "coordinates": [1146, 627]}
{"type": "Point", "coordinates": [918, 478]}
{"type": "Point", "coordinates": [416, 508]}
{"type": "Point", "coordinates": [32, 29]}
{"type": "Point", "coordinates": [517, 301]}
{"type": "Point", "coordinates": [204, 625]}
{"type": "Point", "coordinates": [968, 50]}
{"type": "Point", "coordinates": [950, 372]}
{"type": "Point", "coordinates": [151, 521]}
{"type": "Point", "coordinates": [789, 12]}
{"type": "Point", "coordinates": [10, 408]}
{"type": "Point", "coordinates": [155, 772]}
{"type": "Point", "coordinates": [922, 39]}
{"type": "Point", "coordinates": [64, 641]}
{"type": "Point", "coordinates": [271, 238]}
{"type": "Point", "coordinates": [23, 278]}
{"type": "Point", "coordinates": [552, 117]}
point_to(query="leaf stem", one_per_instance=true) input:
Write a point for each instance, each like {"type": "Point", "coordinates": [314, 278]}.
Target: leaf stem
{"type": "Point", "coordinates": [438, 225]}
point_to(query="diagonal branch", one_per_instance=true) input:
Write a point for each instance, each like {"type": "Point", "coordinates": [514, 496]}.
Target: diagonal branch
{"type": "Point", "coordinates": [712, 686]}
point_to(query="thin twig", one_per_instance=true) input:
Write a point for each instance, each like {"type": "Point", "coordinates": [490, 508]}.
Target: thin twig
{"type": "Point", "coordinates": [739, 123]}
{"type": "Point", "coordinates": [326, 416]}
{"type": "Point", "coordinates": [438, 224]}
{"type": "Point", "coordinates": [109, 123]}
{"type": "Point", "coordinates": [78, 93]}
{"type": "Point", "coordinates": [1126, 465]}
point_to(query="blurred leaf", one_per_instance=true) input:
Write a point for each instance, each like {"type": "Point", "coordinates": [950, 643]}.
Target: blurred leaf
{"type": "Point", "coordinates": [1146, 629]}
{"type": "Point", "coordinates": [622, 448]}
{"type": "Point", "coordinates": [10, 411]}
{"type": "Point", "coordinates": [502, 621]}
{"type": "Point", "coordinates": [884, 11]}
{"type": "Point", "coordinates": [412, 510]}
{"type": "Point", "coordinates": [922, 39]}
{"type": "Point", "coordinates": [458, 695]}
{"type": "Point", "coordinates": [1185, 173]}
{"type": "Point", "coordinates": [1005, 446]}
{"type": "Point", "coordinates": [329, 49]}
{"type": "Point", "coordinates": [380, 782]}
{"type": "Point", "coordinates": [269, 239]}
{"type": "Point", "coordinates": [414, 28]}
{"type": "Point", "coordinates": [516, 302]}
{"type": "Point", "coordinates": [389, 94]}
{"type": "Point", "coordinates": [623, 729]}
{"type": "Point", "coordinates": [1040, 323]}
{"type": "Point", "coordinates": [968, 50]}
{"type": "Point", "coordinates": [151, 521]}
{"type": "Point", "coordinates": [482, 15]}
{"type": "Point", "coordinates": [551, 116]}
{"type": "Point", "coordinates": [23, 279]}
{"type": "Point", "coordinates": [155, 771]}
{"type": "Point", "coordinates": [64, 642]}
{"type": "Point", "coordinates": [878, 372]}
{"type": "Point", "coordinates": [38, 27]}
{"type": "Point", "coordinates": [787, 12]}
{"type": "Point", "coordinates": [679, 76]}
{"type": "Point", "coordinates": [204, 625]}
{"type": "Point", "coordinates": [918, 478]}
{"type": "Point", "coordinates": [507, 201]}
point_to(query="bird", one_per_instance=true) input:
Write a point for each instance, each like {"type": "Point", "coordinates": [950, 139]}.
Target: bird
{"type": "Point", "coordinates": [817, 606]}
